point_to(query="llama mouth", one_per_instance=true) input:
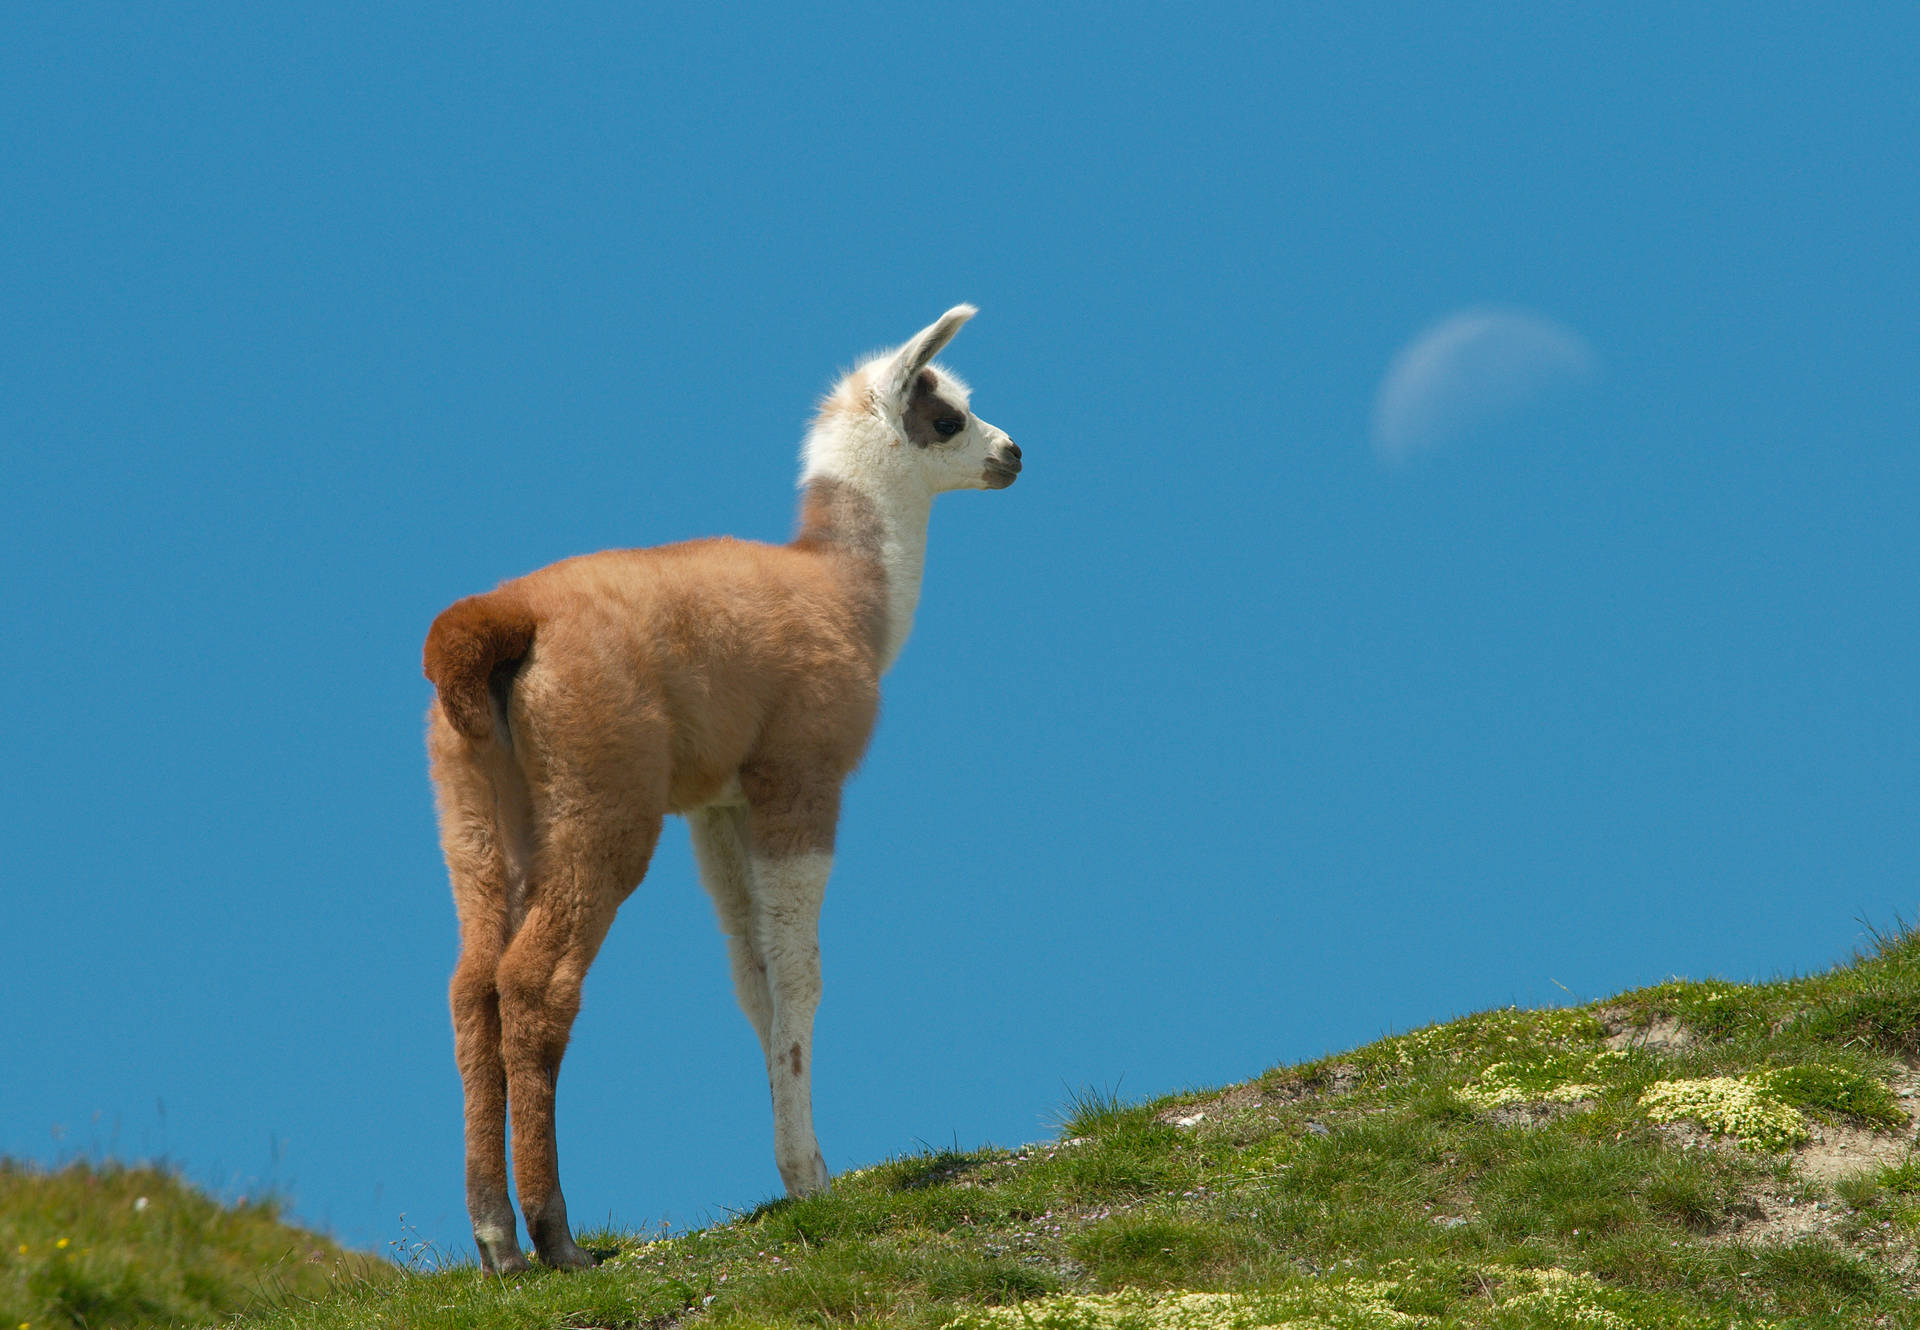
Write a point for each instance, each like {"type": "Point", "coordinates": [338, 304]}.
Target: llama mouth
{"type": "Point", "coordinates": [1000, 474]}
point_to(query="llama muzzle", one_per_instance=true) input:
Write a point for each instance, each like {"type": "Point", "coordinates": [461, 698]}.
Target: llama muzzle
{"type": "Point", "coordinates": [1003, 468]}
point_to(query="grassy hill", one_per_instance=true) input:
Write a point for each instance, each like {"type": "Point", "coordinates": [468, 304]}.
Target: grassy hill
{"type": "Point", "coordinates": [1689, 1155]}
{"type": "Point", "coordinates": [106, 1245]}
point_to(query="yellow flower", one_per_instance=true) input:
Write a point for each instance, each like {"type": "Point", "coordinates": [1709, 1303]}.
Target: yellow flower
{"type": "Point", "coordinates": [62, 1244]}
{"type": "Point", "coordinates": [1737, 1106]}
{"type": "Point", "coordinates": [23, 1249]}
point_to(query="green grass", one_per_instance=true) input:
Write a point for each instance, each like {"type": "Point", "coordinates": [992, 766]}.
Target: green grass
{"type": "Point", "coordinates": [103, 1245]}
{"type": "Point", "coordinates": [1503, 1170]}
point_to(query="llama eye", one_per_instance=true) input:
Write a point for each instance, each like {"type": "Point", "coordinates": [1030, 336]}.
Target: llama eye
{"type": "Point", "coordinates": [947, 426]}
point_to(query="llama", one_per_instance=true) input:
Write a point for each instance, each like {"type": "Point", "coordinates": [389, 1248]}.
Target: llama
{"type": "Point", "coordinates": [731, 682]}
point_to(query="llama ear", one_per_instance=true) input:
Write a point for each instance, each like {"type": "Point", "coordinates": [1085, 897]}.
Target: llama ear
{"type": "Point", "coordinates": [910, 359]}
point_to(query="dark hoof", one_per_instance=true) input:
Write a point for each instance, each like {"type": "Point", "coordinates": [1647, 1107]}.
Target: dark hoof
{"type": "Point", "coordinates": [502, 1258]}
{"type": "Point", "coordinates": [568, 1257]}
{"type": "Point", "coordinates": [553, 1239]}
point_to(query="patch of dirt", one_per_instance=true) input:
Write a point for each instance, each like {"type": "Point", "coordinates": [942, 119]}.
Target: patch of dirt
{"type": "Point", "coordinates": [1788, 1213]}
{"type": "Point", "coordinates": [1259, 1095]}
{"type": "Point", "coordinates": [960, 1171]}
{"type": "Point", "coordinates": [1536, 1113]}
{"type": "Point", "coordinates": [1835, 1150]}
{"type": "Point", "coordinates": [1838, 1149]}
{"type": "Point", "coordinates": [1665, 1034]}
{"type": "Point", "coordinates": [1337, 1079]}
{"type": "Point", "coordinates": [1781, 1217]}
{"type": "Point", "coordinates": [1231, 1102]}
{"type": "Point", "coordinates": [1772, 1217]}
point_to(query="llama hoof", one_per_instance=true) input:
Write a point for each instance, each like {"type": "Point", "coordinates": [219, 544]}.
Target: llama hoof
{"type": "Point", "coordinates": [564, 1255]}
{"type": "Point", "coordinates": [809, 1178]}
{"type": "Point", "coordinates": [501, 1258]}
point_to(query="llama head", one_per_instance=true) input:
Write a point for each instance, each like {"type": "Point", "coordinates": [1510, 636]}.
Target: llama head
{"type": "Point", "coordinates": [901, 421]}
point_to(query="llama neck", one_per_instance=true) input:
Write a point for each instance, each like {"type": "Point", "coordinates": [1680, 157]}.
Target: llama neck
{"type": "Point", "coordinates": [881, 532]}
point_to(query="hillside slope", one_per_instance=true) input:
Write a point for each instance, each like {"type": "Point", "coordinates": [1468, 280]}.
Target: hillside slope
{"type": "Point", "coordinates": [1689, 1155]}
{"type": "Point", "coordinates": [109, 1245]}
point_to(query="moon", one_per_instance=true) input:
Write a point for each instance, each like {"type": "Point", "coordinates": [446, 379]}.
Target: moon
{"type": "Point", "coordinates": [1471, 371]}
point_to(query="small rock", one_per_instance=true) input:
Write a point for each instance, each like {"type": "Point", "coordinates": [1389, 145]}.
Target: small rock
{"type": "Point", "coordinates": [1319, 1129]}
{"type": "Point", "coordinates": [1192, 1120]}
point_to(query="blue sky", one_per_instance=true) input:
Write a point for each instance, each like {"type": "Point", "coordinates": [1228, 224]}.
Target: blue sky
{"type": "Point", "coordinates": [1229, 736]}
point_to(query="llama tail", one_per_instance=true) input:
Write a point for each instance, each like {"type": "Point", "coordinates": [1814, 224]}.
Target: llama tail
{"type": "Point", "coordinates": [472, 651]}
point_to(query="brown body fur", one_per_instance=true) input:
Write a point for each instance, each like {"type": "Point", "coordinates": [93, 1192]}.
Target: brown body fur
{"type": "Point", "coordinates": [648, 682]}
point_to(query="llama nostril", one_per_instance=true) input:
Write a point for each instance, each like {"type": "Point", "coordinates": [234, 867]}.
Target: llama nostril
{"type": "Point", "coordinates": [1013, 448]}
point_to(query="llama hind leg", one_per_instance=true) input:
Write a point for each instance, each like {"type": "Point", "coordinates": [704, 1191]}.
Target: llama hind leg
{"type": "Point", "coordinates": [482, 889]}
{"type": "Point", "coordinates": [720, 847]}
{"type": "Point", "coordinates": [540, 979]}
{"type": "Point", "coordinates": [483, 1078]}
{"type": "Point", "coordinates": [540, 975]}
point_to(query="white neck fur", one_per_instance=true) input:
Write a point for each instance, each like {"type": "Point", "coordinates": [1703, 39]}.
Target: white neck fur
{"type": "Point", "coordinates": [853, 451]}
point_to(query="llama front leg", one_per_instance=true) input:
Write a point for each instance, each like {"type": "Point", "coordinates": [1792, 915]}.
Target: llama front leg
{"type": "Point", "coordinates": [787, 891]}
{"type": "Point", "coordinates": [720, 848]}
{"type": "Point", "coordinates": [791, 814]}
{"type": "Point", "coordinates": [766, 866]}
